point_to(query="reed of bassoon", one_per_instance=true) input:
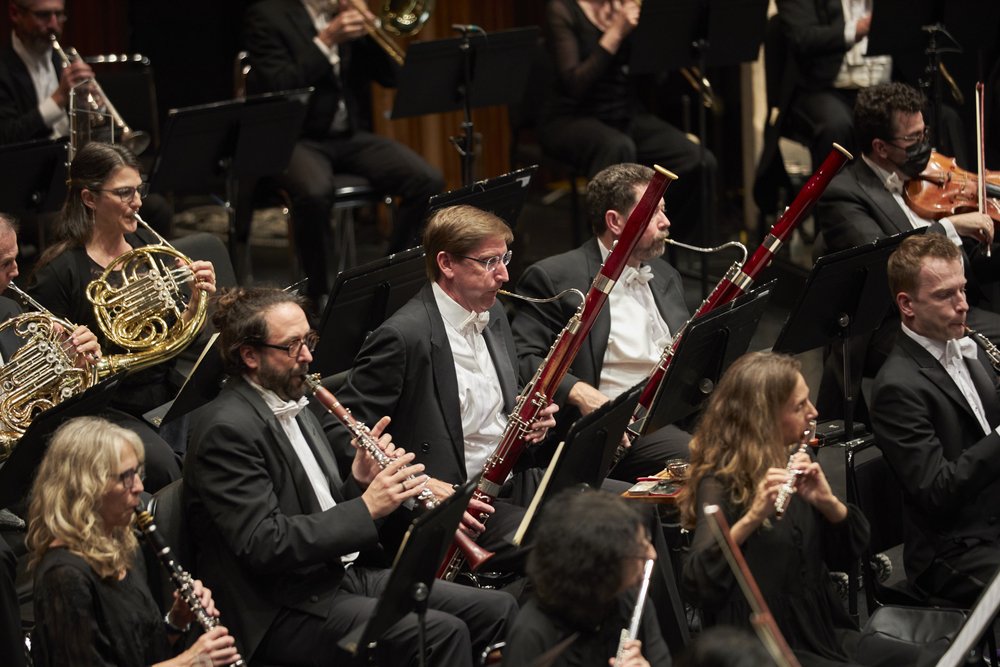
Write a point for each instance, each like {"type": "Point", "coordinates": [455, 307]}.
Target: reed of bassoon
{"type": "Point", "coordinates": [474, 554]}
{"type": "Point", "coordinates": [538, 393]}
{"type": "Point", "coordinates": [739, 277]}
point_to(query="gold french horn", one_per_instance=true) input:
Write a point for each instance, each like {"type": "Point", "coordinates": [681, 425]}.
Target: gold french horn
{"type": "Point", "coordinates": [139, 304]}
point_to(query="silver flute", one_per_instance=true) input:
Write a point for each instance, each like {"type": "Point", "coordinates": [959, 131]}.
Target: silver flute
{"type": "Point", "coordinates": [632, 630]}
{"type": "Point", "coordinates": [788, 488]}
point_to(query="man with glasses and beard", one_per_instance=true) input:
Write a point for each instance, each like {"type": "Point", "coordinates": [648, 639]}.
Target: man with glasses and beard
{"type": "Point", "coordinates": [34, 88]}
{"type": "Point", "coordinates": [281, 528]}
{"type": "Point", "coordinates": [865, 202]}
{"type": "Point", "coordinates": [644, 310]}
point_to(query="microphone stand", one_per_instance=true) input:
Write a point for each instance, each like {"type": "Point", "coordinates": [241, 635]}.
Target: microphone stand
{"type": "Point", "coordinates": [464, 143]}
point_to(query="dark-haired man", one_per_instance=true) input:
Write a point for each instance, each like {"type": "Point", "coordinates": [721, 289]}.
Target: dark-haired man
{"type": "Point", "coordinates": [644, 310]}
{"type": "Point", "coordinates": [936, 416]}
{"type": "Point", "coordinates": [865, 202]}
{"type": "Point", "coordinates": [281, 527]}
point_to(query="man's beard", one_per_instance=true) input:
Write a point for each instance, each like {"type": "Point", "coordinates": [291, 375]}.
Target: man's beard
{"type": "Point", "coordinates": [655, 249]}
{"type": "Point", "coordinates": [287, 385]}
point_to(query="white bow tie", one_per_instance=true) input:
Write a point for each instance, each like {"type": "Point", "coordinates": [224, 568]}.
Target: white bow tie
{"type": "Point", "coordinates": [893, 184]}
{"type": "Point", "coordinates": [475, 323]}
{"type": "Point", "coordinates": [640, 276]}
{"type": "Point", "coordinates": [289, 409]}
{"type": "Point", "coordinates": [958, 348]}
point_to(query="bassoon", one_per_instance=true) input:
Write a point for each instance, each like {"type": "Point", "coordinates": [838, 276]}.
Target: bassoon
{"type": "Point", "coordinates": [538, 393]}
{"type": "Point", "coordinates": [740, 276]}
{"type": "Point", "coordinates": [475, 554]}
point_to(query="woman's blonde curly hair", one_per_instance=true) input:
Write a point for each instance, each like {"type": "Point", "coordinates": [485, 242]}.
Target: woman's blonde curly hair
{"type": "Point", "coordinates": [66, 497]}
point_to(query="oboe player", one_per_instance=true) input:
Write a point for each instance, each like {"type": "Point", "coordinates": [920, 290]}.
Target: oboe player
{"type": "Point", "coordinates": [739, 461]}
{"type": "Point", "coordinates": [285, 534]}
{"type": "Point", "coordinates": [92, 603]}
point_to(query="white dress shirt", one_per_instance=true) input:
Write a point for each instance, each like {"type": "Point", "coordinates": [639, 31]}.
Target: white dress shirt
{"type": "Point", "coordinates": [858, 70]}
{"type": "Point", "coordinates": [285, 412]}
{"type": "Point", "coordinates": [45, 80]}
{"type": "Point", "coordinates": [638, 333]}
{"type": "Point", "coordinates": [479, 395]}
{"type": "Point", "coordinates": [320, 20]}
{"type": "Point", "coordinates": [952, 356]}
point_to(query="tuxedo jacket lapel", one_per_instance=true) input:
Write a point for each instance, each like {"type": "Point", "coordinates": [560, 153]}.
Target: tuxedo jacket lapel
{"type": "Point", "coordinates": [445, 381]}
{"type": "Point", "coordinates": [987, 390]}
{"type": "Point", "coordinates": [321, 448]}
{"type": "Point", "coordinates": [936, 373]}
{"type": "Point", "coordinates": [501, 360]}
{"type": "Point", "coordinates": [882, 199]}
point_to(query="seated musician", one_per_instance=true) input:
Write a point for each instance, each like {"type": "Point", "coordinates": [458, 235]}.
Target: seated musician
{"type": "Point", "coordinates": [644, 311]}
{"type": "Point", "coordinates": [865, 202]}
{"type": "Point", "coordinates": [279, 525]}
{"type": "Point", "coordinates": [443, 366]}
{"type": "Point", "coordinates": [97, 225]}
{"type": "Point", "coordinates": [594, 118]}
{"type": "Point", "coordinates": [740, 461]}
{"type": "Point", "coordinates": [935, 414]}
{"type": "Point", "coordinates": [602, 540]}
{"type": "Point", "coordinates": [92, 603]}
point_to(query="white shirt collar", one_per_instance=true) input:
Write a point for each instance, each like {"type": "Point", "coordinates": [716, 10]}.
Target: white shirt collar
{"type": "Point", "coordinates": [278, 406]}
{"type": "Point", "coordinates": [890, 179]}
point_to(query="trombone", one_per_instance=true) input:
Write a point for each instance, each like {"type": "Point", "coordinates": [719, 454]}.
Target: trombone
{"type": "Point", "coordinates": [135, 141]}
{"type": "Point", "coordinates": [397, 17]}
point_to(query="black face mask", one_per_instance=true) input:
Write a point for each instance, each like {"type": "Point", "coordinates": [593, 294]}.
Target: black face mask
{"type": "Point", "coordinates": [917, 157]}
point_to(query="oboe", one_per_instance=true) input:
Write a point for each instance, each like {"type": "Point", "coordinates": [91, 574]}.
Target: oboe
{"type": "Point", "coordinates": [183, 581]}
{"type": "Point", "coordinates": [788, 488]}
{"type": "Point", "coordinates": [987, 346]}
{"type": "Point", "coordinates": [632, 630]}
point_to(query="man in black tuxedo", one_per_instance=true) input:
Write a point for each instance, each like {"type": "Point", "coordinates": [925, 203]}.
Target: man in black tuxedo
{"type": "Point", "coordinates": [443, 366]}
{"type": "Point", "coordinates": [644, 310]}
{"type": "Point", "coordinates": [34, 88]}
{"type": "Point", "coordinates": [279, 527]}
{"type": "Point", "coordinates": [936, 415]}
{"type": "Point", "coordinates": [864, 203]}
{"type": "Point", "coordinates": [297, 44]}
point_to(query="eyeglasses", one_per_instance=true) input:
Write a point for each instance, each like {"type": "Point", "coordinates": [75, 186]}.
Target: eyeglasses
{"type": "Point", "coordinates": [128, 194]}
{"type": "Point", "coordinates": [491, 263]}
{"type": "Point", "coordinates": [923, 135]}
{"type": "Point", "coordinates": [310, 340]}
{"type": "Point", "coordinates": [128, 477]}
{"type": "Point", "coordinates": [45, 15]}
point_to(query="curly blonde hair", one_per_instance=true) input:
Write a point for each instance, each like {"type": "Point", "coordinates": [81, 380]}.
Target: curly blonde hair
{"type": "Point", "coordinates": [66, 497]}
{"type": "Point", "coordinates": [738, 435]}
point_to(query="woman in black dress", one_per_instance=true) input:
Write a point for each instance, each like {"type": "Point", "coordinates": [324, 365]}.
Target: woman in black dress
{"type": "Point", "coordinates": [92, 603]}
{"type": "Point", "coordinates": [739, 460]}
{"type": "Point", "coordinates": [585, 566]}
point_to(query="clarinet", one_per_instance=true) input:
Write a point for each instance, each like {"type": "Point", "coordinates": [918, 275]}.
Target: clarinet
{"type": "Point", "coordinates": [474, 553]}
{"type": "Point", "coordinates": [538, 393]}
{"type": "Point", "coordinates": [183, 581]}
{"type": "Point", "coordinates": [987, 346]}
{"type": "Point", "coordinates": [632, 630]}
{"type": "Point", "coordinates": [788, 488]}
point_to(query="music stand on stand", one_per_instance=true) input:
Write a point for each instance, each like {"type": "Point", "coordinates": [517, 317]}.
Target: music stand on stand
{"type": "Point", "coordinates": [698, 33]}
{"type": "Point", "coordinates": [709, 345]}
{"type": "Point", "coordinates": [236, 142]}
{"type": "Point", "coordinates": [846, 295]}
{"type": "Point", "coordinates": [413, 573]}
{"type": "Point", "coordinates": [503, 195]}
{"type": "Point", "coordinates": [34, 176]}
{"type": "Point", "coordinates": [474, 70]}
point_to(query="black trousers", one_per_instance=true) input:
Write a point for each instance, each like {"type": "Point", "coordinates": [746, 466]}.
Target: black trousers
{"type": "Point", "coordinates": [390, 166]}
{"type": "Point", "coordinates": [649, 454]}
{"type": "Point", "coordinates": [461, 621]}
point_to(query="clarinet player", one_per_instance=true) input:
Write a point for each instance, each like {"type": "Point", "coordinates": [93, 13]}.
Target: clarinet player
{"type": "Point", "coordinates": [92, 603]}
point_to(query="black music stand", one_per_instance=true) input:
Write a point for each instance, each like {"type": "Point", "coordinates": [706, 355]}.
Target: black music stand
{"type": "Point", "coordinates": [18, 472]}
{"type": "Point", "coordinates": [200, 386]}
{"type": "Point", "coordinates": [503, 196]}
{"type": "Point", "coordinates": [34, 177]}
{"type": "Point", "coordinates": [474, 70]}
{"type": "Point", "coordinates": [413, 573]}
{"type": "Point", "coordinates": [233, 144]}
{"type": "Point", "coordinates": [977, 624]}
{"type": "Point", "coordinates": [701, 33]}
{"type": "Point", "coordinates": [846, 295]}
{"type": "Point", "coordinates": [361, 299]}
{"type": "Point", "coordinates": [709, 345]}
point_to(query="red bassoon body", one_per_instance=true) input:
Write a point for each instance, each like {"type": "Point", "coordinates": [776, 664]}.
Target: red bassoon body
{"type": "Point", "coordinates": [738, 279]}
{"type": "Point", "coordinates": [539, 392]}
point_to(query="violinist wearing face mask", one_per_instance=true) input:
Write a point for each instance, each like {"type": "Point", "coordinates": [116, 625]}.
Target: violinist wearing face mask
{"type": "Point", "coordinates": [866, 202]}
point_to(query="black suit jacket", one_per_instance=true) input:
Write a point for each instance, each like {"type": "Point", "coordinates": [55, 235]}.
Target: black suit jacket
{"type": "Point", "coordinates": [405, 369]}
{"type": "Point", "coordinates": [949, 470]}
{"type": "Point", "coordinates": [9, 341]}
{"type": "Point", "coordinates": [535, 326]}
{"type": "Point", "coordinates": [814, 32]}
{"type": "Point", "coordinates": [263, 544]}
{"type": "Point", "coordinates": [19, 116]}
{"type": "Point", "coordinates": [278, 35]}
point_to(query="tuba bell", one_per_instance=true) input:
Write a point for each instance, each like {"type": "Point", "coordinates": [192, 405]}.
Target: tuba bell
{"type": "Point", "coordinates": [139, 304]}
{"type": "Point", "coordinates": [41, 373]}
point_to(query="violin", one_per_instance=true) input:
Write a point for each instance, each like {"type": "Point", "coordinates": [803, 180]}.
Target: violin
{"type": "Point", "coordinates": [943, 188]}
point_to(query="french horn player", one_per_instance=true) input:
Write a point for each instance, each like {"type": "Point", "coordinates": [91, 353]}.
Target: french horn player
{"type": "Point", "coordinates": [146, 300]}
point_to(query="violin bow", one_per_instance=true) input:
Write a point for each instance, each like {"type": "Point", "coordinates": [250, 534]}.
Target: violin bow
{"type": "Point", "coordinates": [981, 151]}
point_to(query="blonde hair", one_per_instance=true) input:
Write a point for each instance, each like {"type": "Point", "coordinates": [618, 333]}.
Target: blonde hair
{"type": "Point", "coordinates": [738, 436]}
{"type": "Point", "coordinates": [459, 230]}
{"type": "Point", "coordinates": [66, 497]}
